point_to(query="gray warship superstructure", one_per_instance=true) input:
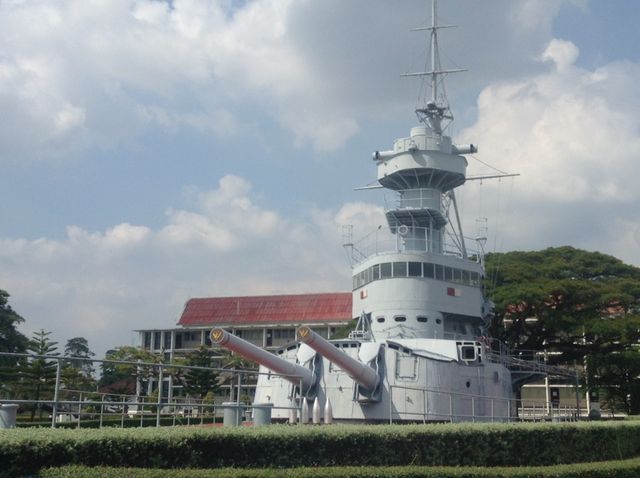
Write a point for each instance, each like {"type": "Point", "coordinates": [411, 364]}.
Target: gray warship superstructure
{"type": "Point", "coordinates": [419, 351]}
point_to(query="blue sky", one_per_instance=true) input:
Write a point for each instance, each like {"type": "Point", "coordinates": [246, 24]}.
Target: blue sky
{"type": "Point", "coordinates": [152, 152]}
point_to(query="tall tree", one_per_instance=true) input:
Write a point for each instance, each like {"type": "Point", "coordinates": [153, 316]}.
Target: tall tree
{"type": "Point", "coordinates": [77, 373]}
{"type": "Point", "coordinates": [199, 382]}
{"type": "Point", "coordinates": [38, 374]}
{"type": "Point", "coordinates": [564, 300]}
{"type": "Point", "coordinates": [11, 340]}
{"type": "Point", "coordinates": [573, 304]}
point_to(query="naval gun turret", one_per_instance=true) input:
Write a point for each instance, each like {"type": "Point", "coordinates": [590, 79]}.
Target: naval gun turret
{"type": "Point", "coordinates": [368, 378]}
{"type": "Point", "coordinates": [292, 372]}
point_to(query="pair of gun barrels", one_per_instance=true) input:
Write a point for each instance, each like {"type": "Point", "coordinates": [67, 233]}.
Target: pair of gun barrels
{"type": "Point", "coordinates": [362, 373]}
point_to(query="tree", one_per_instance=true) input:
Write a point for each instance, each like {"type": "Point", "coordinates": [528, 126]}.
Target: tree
{"type": "Point", "coordinates": [77, 373]}
{"type": "Point", "coordinates": [38, 374]}
{"type": "Point", "coordinates": [572, 304]}
{"type": "Point", "coordinates": [564, 300]}
{"type": "Point", "coordinates": [11, 340]}
{"type": "Point", "coordinates": [199, 382]}
{"type": "Point", "coordinates": [120, 378]}
{"type": "Point", "coordinates": [618, 375]}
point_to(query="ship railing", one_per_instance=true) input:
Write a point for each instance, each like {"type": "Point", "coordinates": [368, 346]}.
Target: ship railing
{"type": "Point", "coordinates": [466, 407]}
{"type": "Point", "coordinates": [531, 361]}
{"type": "Point", "coordinates": [412, 239]}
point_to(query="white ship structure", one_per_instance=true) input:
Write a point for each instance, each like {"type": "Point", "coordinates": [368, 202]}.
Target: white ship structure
{"type": "Point", "coordinates": [420, 351]}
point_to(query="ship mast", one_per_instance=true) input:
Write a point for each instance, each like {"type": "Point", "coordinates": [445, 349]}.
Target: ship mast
{"type": "Point", "coordinates": [437, 109]}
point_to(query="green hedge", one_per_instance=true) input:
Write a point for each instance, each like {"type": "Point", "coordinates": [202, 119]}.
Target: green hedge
{"type": "Point", "coordinates": [617, 469]}
{"type": "Point", "coordinates": [24, 451]}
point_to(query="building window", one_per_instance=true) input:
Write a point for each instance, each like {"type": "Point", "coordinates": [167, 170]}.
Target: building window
{"type": "Point", "coordinates": [156, 340]}
{"type": "Point", "coordinates": [147, 340]}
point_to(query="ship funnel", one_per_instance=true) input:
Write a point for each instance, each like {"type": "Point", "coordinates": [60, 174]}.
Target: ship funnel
{"type": "Point", "coordinates": [289, 371]}
{"type": "Point", "coordinates": [363, 374]}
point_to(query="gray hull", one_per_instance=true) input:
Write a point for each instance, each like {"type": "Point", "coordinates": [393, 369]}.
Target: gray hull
{"type": "Point", "coordinates": [415, 389]}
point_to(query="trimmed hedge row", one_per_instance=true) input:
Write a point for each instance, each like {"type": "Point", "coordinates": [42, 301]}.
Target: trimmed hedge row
{"type": "Point", "coordinates": [612, 469]}
{"type": "Point", "coordinates": [25, 451]}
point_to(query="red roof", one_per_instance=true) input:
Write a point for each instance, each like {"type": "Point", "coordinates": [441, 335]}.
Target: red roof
{"type": "Point", "coordinates": [268, 309]}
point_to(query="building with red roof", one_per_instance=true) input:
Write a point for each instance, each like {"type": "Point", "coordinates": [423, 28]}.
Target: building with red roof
{"type": "Point", "coordinates": [268, 321]}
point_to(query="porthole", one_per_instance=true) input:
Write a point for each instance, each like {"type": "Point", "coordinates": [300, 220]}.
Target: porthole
{"type": "Point", "coordinates": [422, 319]}
{"type": "Point", "coordinates": [438, 321]}
{"type": "Point", "coordinates": [400, 318]}
{"type": "Point", "coordinates": [380, 319]}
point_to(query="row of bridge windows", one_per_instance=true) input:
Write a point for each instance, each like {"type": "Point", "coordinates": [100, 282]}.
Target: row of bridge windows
{"type": "Point", "coordinates": [426, 270]}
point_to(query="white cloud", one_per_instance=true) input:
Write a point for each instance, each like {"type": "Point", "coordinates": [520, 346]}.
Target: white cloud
{"type": "Point", "coordinates": [102, 285]}
{"type": "Point", "coordinates": [563, 53]}
{"type": "Point", "coordinates": [78, 74]}
{"type": "Point", "coordinates": [572, 134]}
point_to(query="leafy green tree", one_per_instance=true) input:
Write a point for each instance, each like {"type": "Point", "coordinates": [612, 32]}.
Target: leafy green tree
{"type": "Point", "coordinates": [199, 382]}
{"type": "Point", "coordinates": [38, 374]}
{"type": "Point", "coordinates": [564, 300]}
{"type": "Point", "coordinates": [11, 340]}
{"type": "Point", "coordinates": [573, 304]}
{"type": "Point", "coordinates": [618, 374]}
{"type": "Point", "coordinates": [77, 373]}
{"type": "Point", "coordinates": [127, 374]}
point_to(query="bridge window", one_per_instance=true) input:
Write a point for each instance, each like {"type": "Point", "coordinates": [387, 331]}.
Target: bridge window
{"type": "Point", "coordinates": [375, 272]}
{"type": "Point", "coordinates": [457, 275]}
{"type": "Point", "coordinates": [448, 274]}
{"type": "Point", "coordinates": [439, 272]}
{"type": "Point", "coordinates": [466, 277]}
{"type": "Point", "coordinates": [385, 270]}
{"type": "Point", "coordinates": [428, 270]}
{"type": "Point", "coordinates": [415, 269]}
{"type": "Point", "coordinates": [399, 269]}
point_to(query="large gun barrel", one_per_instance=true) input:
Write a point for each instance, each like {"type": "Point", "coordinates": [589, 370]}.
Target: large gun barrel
{"type": "Point", "coordinates": [290, 371]}
{"type": "Point", "coordinates": [358, 371]}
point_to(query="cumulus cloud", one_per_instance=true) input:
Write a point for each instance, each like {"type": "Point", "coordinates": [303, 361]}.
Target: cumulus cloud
{"type": "Point", "coordinates": [102, 285]}
{"type": "Point", "coordinates": [78, 74]}
{"type": "Point", "coordinates": [572, 134]}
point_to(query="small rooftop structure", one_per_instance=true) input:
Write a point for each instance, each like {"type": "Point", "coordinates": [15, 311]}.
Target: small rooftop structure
{"type": "Point", "coordinates": [267, 310]}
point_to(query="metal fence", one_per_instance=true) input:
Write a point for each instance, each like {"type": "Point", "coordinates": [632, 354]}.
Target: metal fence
{"type": "Point", "coordinates": [68, 407]}
{"type": "Point", "coordinates": [85, 408]}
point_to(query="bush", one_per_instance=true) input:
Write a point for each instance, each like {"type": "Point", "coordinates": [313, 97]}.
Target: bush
{"type": "Point", "coordinates": [617, 469]}
{"type": "Point", "coordinates": [24, 451]}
